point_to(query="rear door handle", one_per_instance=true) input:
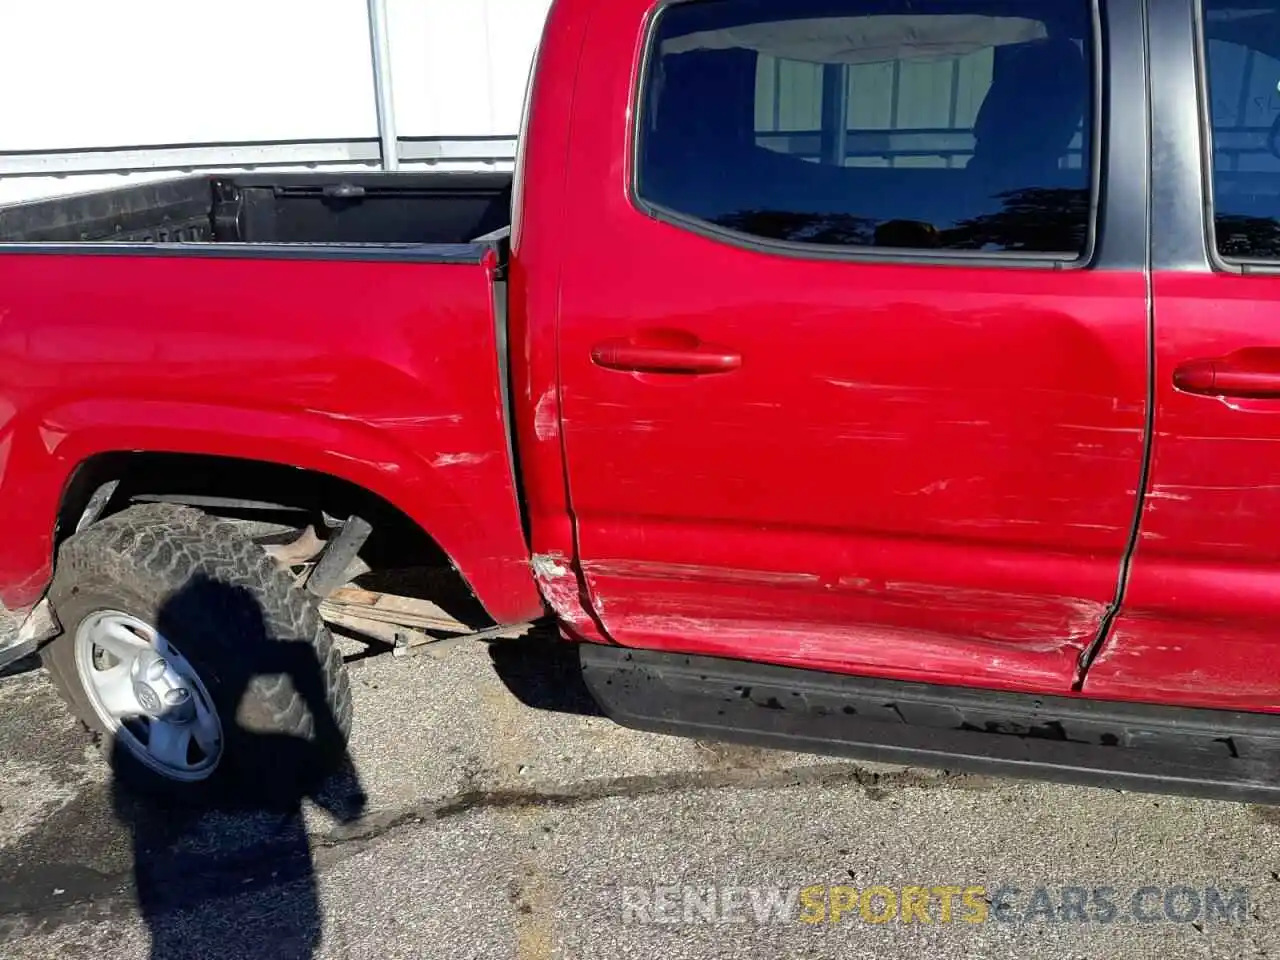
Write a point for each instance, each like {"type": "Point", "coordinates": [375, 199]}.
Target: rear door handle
{"type": "Point", "coordinates": [665, 352]}
{"type": "Point", "coordinates": [1253, 372]}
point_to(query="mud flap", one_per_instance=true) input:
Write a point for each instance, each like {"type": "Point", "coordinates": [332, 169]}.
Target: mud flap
{"type": "Point", "coordinates": [1206, 753]}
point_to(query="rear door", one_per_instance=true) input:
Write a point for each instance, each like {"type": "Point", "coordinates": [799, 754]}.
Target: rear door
{"type": "Point", "coordinates": [853, 372]}
{"type": "Point", "coordinates": [1200, 619]}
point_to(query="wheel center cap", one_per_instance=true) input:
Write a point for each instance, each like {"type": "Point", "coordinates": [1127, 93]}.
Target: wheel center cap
{"type": "Point", "coordinates": [148, 699]}
{"type": "Point", "coordinates": [160, 690]}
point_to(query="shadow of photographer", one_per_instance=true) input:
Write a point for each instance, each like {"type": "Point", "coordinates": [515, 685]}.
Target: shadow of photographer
{"type": "Point", "coordinates": [232, 874]}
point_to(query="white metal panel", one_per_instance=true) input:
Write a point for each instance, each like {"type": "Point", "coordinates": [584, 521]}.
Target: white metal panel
{"type": "Point", "coordinates": [89, 73]}
{"type": "Point", "coordinates": [459, 66]}
{"type": "Point", "coordinates": [85, 78]}
{"type": "Point", "coordinates": [19, 189]}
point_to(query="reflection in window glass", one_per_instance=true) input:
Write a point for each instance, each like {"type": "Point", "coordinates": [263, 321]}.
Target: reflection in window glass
{"type": "Point", "coordinates": [1242, 53]}
{"type": "Point", "coordinates": [946, 125]}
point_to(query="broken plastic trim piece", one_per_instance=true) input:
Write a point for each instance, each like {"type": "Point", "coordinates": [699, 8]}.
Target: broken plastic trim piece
{"type": "Point", "coordinates": [38, 627]}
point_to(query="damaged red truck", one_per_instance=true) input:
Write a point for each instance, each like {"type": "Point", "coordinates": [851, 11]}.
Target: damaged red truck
{"type": "Point", "coordinates": [893, 379]}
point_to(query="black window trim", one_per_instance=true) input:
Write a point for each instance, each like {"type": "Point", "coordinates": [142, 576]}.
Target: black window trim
{"type": "Point", "coordinates": [1221, 264]}
{"type": "Point", "coordinates": [871, 255]}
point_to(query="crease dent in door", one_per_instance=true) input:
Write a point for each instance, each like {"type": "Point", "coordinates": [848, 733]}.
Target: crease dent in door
{"type": "Point", "coordinates": [1034, 648]}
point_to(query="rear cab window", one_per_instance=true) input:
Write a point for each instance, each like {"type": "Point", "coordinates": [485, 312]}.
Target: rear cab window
{"type": "Point", "coordinates": [1241, 52]}
{"type": "Point", "coordinates": [874, 124]}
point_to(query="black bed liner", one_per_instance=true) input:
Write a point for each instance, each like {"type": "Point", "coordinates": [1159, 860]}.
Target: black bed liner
{"type": "Point", "coordinates": [1206, 753]}
{"type": "Point", "coordinates": [356, 208]}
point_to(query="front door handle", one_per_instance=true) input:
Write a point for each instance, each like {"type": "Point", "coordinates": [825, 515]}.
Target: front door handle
{"type": "Point", "coordinates": [1253, 372]}
{"type": "Point", "coordinates": [665, 351]}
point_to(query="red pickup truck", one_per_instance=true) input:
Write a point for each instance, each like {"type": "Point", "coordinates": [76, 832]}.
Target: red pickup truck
{"type": "Point", "coordinates": [896, 379]}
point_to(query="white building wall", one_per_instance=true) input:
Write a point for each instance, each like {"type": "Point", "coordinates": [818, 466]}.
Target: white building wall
{"type": "Point", "coordinates": [132, 72]}
{"type": "Point", "coordinates": [460, 67]}
{"type": "Point", "coordinates": [88, 75]}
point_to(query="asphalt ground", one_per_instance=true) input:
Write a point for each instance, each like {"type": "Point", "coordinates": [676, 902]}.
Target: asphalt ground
{"type": "Point", "coordinates": [503, 819]}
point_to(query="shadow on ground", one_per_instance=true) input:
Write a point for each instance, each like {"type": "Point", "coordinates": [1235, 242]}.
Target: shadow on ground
{"type": "Point", "coordinates": [542, 671]}
{"type": "Point", "coordinates": [232, 876]}
{"type": "Point", "coordinates": [21, 666]}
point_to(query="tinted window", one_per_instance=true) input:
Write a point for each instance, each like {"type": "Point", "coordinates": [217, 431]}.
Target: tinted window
{"type": "Point", "coordinates": [1242, 52]}
{"type": "Point", "coordinates": [874, 123]}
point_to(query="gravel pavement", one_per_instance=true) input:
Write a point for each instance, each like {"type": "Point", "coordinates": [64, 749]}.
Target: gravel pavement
{"type": "Point", "coordinates": [504, 820]}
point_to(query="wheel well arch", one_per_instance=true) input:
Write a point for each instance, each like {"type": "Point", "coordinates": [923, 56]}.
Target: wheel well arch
{"type": "Point", "coordinates": [271, 499]}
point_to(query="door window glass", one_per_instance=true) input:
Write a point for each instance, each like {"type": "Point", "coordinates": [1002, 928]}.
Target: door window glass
{"type": "Point", "coordinates": [874, 123]}
{"type": "Point", "coordinates": [1242, 54]}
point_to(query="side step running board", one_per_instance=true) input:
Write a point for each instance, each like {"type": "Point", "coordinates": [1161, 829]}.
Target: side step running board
{"type": "Point", "coordinates": [1205, 753]}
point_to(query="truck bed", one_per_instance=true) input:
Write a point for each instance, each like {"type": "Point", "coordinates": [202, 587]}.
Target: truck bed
{"type": "Point", "coordinates": [354, 208]}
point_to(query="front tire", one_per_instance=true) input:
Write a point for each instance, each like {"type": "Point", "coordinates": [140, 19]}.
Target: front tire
{"type": "Point", "coordinates": [203, 667]}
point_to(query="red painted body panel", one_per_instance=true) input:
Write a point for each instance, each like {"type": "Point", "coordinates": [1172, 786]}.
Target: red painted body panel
{"type": "Point", "coordinates": [917, 471]}
{"type": "Point", "coordinates": [540, 199]}
{"type": "Point", "coordinates": [926, 472]}
{"type": "Point", "coordinates": [1198, 625]}
{"type": "Point", "coordinates": [383, 374]}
